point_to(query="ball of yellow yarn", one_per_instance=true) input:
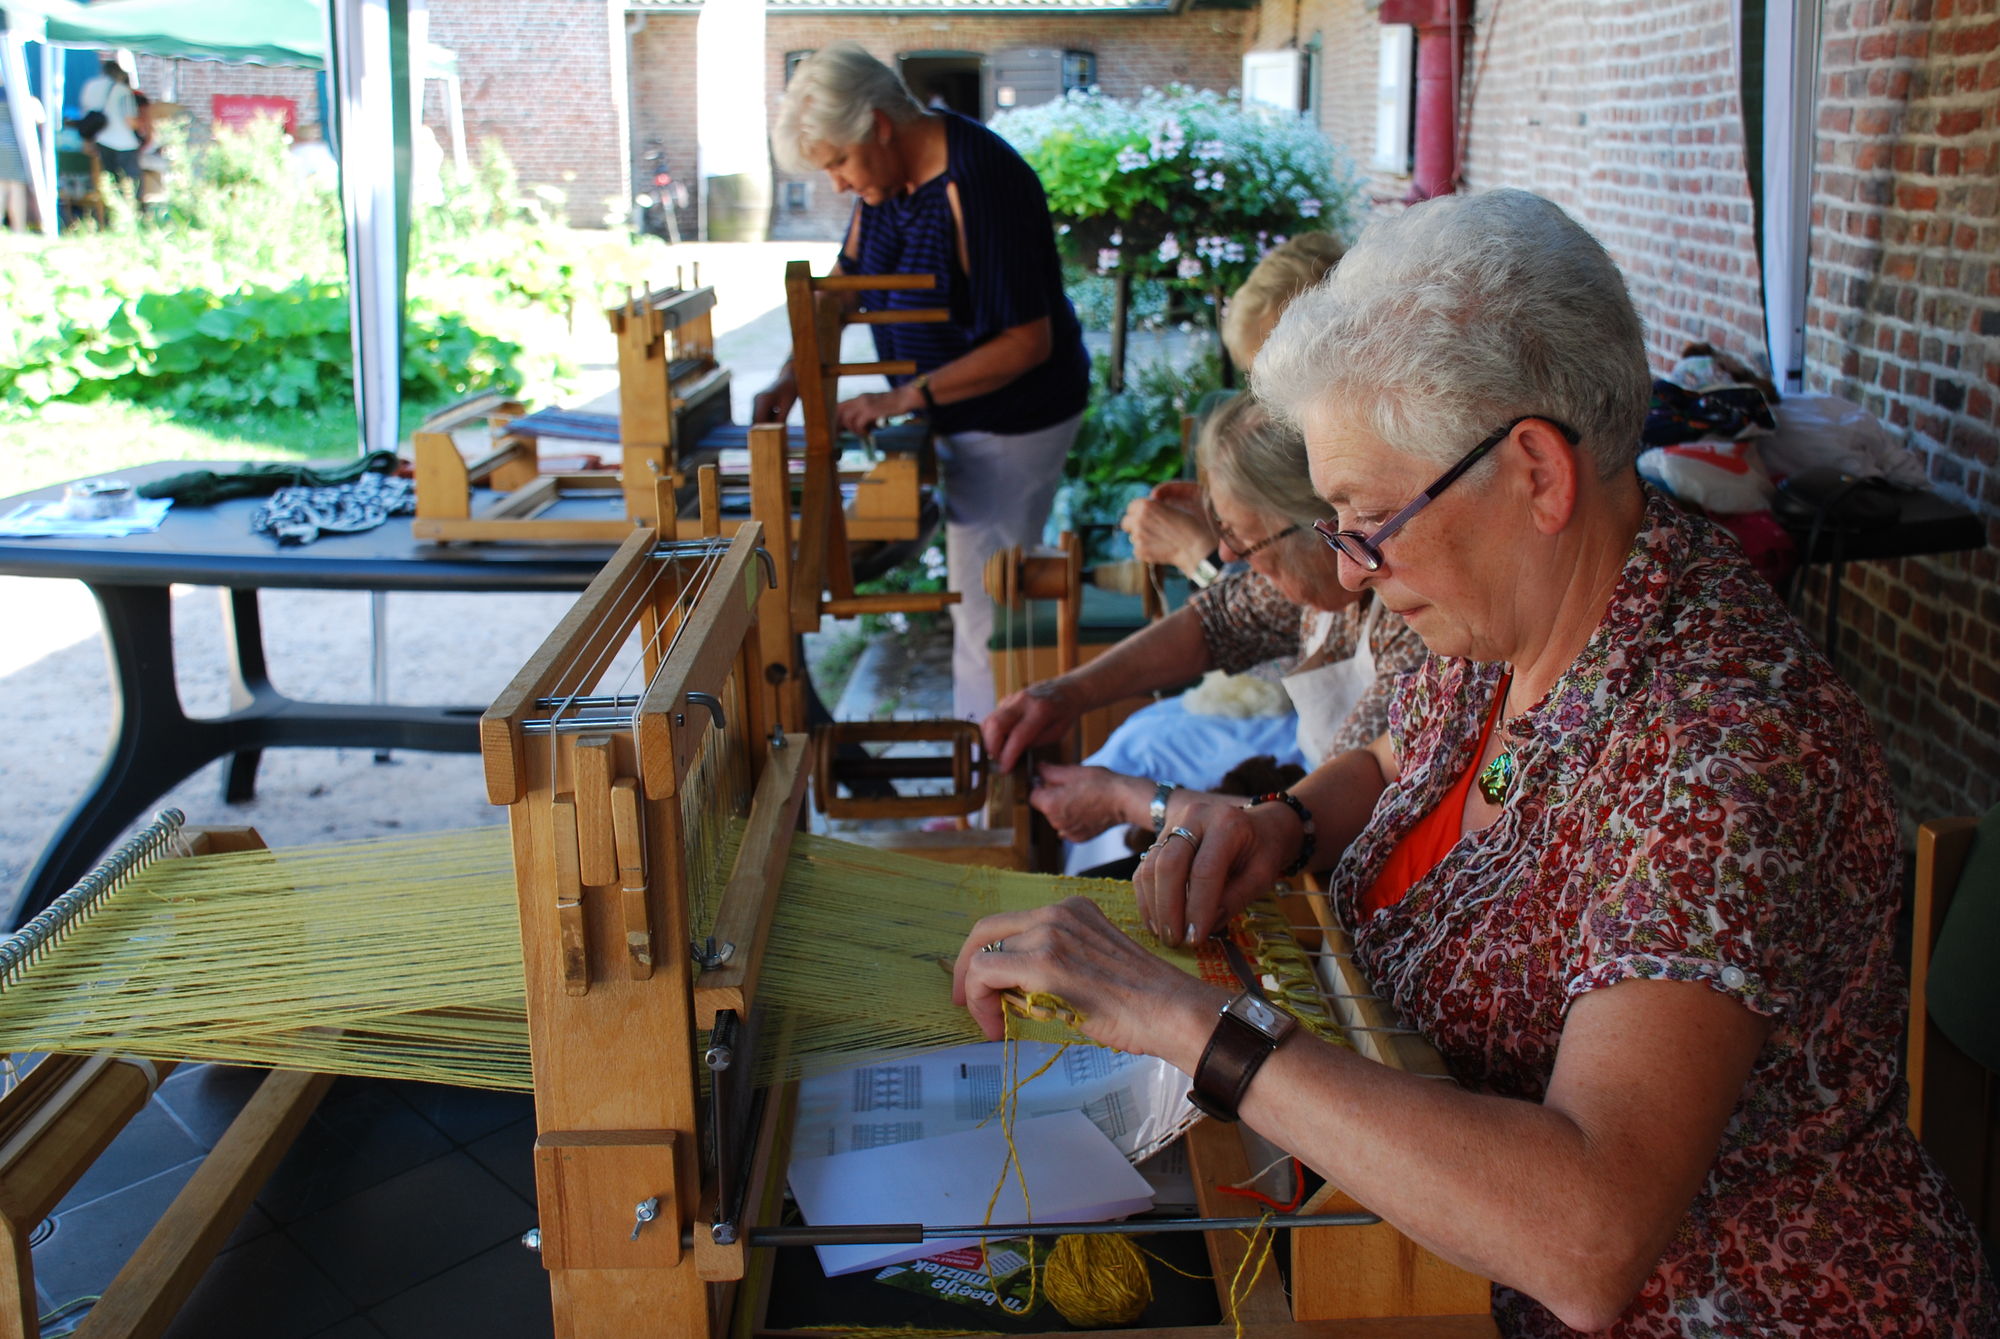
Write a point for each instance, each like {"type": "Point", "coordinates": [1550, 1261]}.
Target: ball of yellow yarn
{"type": "Point", "coordinates": [1097, 1280]}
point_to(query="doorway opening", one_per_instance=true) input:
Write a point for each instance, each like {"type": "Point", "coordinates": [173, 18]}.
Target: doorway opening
{"type": "Point", "coordinates": [951, 79]}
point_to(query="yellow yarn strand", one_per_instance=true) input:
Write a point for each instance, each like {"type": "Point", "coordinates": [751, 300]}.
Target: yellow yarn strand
{"type": "Point", "coordinates": [400, 957]}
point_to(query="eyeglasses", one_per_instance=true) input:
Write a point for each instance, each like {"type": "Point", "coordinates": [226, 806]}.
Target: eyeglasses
{"type": "Point", "coordinates": [1244, 552]}
{"type": "Point", "coordinates": [1365, 551]}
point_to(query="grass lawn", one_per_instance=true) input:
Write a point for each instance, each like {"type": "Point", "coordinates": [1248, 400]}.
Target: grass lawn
{"type": "Point", "coordinates": [65, 441]}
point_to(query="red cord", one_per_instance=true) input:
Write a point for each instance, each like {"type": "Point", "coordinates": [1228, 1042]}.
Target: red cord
{"type": "Point", "coordinates": [1298, 1194]}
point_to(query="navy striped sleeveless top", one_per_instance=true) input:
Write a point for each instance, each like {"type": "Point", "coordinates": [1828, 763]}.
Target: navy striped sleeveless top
{"type": "Point", "coordinates": [1015, 278]}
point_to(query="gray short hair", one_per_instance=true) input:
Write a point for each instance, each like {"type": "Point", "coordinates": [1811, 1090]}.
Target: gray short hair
{"type": "Point", "coordinates": [832, 100]}
{"type": "Point", "coordinates": [1260, 461]}
{"type": "Point", "coordinates": [1444, 322]}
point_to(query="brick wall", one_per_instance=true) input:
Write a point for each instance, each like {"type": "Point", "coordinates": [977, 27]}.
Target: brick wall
{"type": "Point", "coordinates": [1202, 48]}
{"type": "Point", "coordinates": [542, 78]}
{"type": "Point", "coordinates": [663, 104]}
{"type": "Point", "coordinates": [538, 77]}
{"type": "Point", "coordinates": [1905, 318]}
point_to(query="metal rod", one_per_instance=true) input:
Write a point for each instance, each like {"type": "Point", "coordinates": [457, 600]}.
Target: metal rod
{"type": "Point", "coordinates": [25, 944]}
{"type": "Point", "coordinates": [890, 1234]}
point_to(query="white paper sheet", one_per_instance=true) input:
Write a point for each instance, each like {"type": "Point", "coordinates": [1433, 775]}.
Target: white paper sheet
{"type": "Point", "coordinates": [49, 520]}
{"type": "Point", "coordinates": [1139, 1102]}
{"type": "Point", "coordinates": [1073, 1174]}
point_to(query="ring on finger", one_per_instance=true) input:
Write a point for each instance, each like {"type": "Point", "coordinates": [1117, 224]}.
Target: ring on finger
{"type": "Point", "coordinates": [997, 946]}
{"type": "Point", "coordinates": [1185, 835]}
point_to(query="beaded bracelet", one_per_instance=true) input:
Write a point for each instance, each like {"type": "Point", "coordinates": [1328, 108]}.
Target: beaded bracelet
{"type": "Point", "coordinates": [1306, 846]}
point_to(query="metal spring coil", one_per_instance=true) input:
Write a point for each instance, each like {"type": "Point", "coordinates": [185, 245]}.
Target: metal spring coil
{"type": "Point", "coordinates": [20, 949]}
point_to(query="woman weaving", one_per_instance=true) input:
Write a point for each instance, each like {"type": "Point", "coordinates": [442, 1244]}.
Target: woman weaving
{"type": "Point", "coordinates": [1626, 854]}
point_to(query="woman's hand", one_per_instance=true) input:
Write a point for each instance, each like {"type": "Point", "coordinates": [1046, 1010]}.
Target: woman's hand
{"type": "Point", "coordinates": [860, 414]}
{"type": "Point", "coordinates": [1036, 715]}
{"type": "Point", "coordinates": [1170, 526]}
{"type": "Point", "coordinates": [1081, 802]}
{"type": "Point", "coordinates": [1126, 998]}
{"type": "Point", "coordinates": [1189, 886]}
{"type": "Point", "coordinates": [775, 401]}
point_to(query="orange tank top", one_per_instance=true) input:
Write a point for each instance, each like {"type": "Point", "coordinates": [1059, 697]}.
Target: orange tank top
{"type": "Point", "coordinates": [1424, 845]}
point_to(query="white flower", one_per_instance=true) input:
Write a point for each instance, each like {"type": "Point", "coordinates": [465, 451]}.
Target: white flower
{"type": "Point", "coordinates": [898, 621]}
{"type": "Point", "coordinates": [1117, 238]}
{"type": "Point", "coordinates": [1131, 158]}
{"type": "Point", "coordinates": [1189, 268]}
{"type": "Point", "coordinates": [1309, 208]}
{"type": "Point", "coordinates": [1232, 251]}
{"type": "Point", "coordinates": [1216, 181]}
{"type": "Point", "coordinates": [1208, 150]}
{"type": "Point", "coordinates": [1170, 248]}
{"type": "Point", "coordinates": [934, 563]}
{"type": "Point", "coordinates": [1107, 259]}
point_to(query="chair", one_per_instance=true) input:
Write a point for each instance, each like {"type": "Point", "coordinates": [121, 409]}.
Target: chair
{"type": "Point", "coordinates": [1954, 1043]}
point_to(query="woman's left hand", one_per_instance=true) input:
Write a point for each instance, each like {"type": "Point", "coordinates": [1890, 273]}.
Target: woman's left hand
{"type": "Point", "coordinates": [1125, 997]}
{"type": "Point", "coordinates": [1081, 802]}
{"type": "Point", "coordinates": [860, 415]}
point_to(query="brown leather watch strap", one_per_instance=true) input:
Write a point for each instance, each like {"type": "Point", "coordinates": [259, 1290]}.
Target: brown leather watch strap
{"type": "Point", "coordinates": [1231, 1059]}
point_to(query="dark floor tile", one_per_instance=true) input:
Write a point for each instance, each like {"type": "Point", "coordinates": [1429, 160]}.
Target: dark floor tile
{"type": "Point", "coordinates": [466, 1114]}
{"type": "Point", "coordinates": [266, 1289]}
{"type": "Point", "coordinates": [207, 1097]}
{"type": "Point", "coordinates": [386, 1239]}
{"type": "Point", "coordinates": [151, 1143]}
{"type": "Point", "coordinates": [92, 1241]}
{"type": "Point", "coordinates": [510, 1155]}
{"type": "Point", "coordinates": [362, 1135]}
{"type": "Point", "coordinates": [502, 1293]}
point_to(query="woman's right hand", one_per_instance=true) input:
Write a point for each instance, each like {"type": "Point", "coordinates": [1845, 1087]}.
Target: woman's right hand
{"type": "Point", "coordinates": [1036, 715]}
{"type": "Point", "coordinates": [775, 401]}
{"type": "Point", "coordinates": [1188, 887]}
{"type": "Point", "coordinates": [1170, 526]}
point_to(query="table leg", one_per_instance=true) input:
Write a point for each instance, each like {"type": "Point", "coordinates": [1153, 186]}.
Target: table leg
{"type": "Point", "coordinates": [153, 745]}
{"type": "Point", "coordinates": [249, 683]}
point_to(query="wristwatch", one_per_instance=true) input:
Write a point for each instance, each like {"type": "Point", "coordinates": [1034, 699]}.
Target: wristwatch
{"type": "Point", "coordinates": [922, 381]}
{"type": "Point", "coordinates": [1247, 1030]}
{"type": "Point", "coordinates": [1157, 810]}
{"type": "Point", "coordinates": [1208, 570]}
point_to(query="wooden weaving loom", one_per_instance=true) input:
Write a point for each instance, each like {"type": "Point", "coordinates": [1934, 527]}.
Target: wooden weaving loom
{"type": "Point", "coordinates": [658, 1165]}
{"type": "Point", "coordinates": [671, 391]}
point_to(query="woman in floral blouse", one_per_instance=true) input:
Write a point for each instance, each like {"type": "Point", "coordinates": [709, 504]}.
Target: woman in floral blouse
{"type": "Point", "coordinates": [1626, 853]}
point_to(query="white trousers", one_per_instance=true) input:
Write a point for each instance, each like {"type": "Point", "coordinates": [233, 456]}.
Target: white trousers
{"type": "Point", "coordinates": [998, 491]}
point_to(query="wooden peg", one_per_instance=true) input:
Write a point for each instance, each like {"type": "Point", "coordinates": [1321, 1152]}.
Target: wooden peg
{"type": "Point", "coordinates": [632, 876]}
{"type": "Point", "coordinates": [597, 855]}
{"type": "Point", "coordinates": [574, 935]}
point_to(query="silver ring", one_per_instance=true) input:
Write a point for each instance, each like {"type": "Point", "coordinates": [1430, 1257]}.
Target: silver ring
{"type": "Point", "coordinates": [997, 946]}
{"type": "Point", "coordinates": [1185, 835]}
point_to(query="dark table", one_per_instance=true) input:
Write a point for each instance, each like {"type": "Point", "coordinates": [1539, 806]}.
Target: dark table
{"type": "Point", "coordinates": [154, 744]}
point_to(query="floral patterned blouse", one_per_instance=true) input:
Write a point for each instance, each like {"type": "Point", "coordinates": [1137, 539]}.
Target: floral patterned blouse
{"type": "Point", "coordinates": [1699, 798]}
{"type": "Point", "coordinates": [1246, 621]}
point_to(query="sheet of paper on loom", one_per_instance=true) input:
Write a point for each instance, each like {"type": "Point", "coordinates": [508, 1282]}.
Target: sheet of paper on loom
{"type": "Point", "coordinates": [1140, 1102]}
{"type": "Point", "coordinates": [1074, 1174]}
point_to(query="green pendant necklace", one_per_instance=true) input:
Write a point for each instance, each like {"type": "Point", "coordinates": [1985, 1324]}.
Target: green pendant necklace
{"type": "Point", "coordinates": [1497, 777]}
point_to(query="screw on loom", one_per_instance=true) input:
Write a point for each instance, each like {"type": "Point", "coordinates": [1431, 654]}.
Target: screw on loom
{"type": "Point", "coordinates": [644, 1212]}
{"type": "Point", "coordinates": [708, 955]}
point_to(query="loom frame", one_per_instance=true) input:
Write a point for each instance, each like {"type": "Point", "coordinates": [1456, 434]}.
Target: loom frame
{"type": "Point", "coordinates": [69, 1108]}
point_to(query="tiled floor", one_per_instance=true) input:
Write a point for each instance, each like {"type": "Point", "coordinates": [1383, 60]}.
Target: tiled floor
{"type": "Point", "coordinates": [396, 1214]}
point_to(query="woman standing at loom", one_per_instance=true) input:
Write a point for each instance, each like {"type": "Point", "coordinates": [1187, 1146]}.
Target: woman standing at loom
{"type": "Point", "coordinates": [1004, 381]}
{"type": "Point", "coordinates": [1626, 854]}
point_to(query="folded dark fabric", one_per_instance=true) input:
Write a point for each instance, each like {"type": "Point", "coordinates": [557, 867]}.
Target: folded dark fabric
{"type": "Point", "coordinates": [205, 488]}
{"type": "Point", "coordinates": [1681, 415]}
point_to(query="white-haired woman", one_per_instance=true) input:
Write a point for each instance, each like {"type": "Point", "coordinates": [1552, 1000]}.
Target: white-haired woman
{"type": "Point", "coordinates": [1005, 379]}
{"type": "Point", "coordinates": [1341, 654]}
{"type": "Point", "coordinates": [1627, 853]}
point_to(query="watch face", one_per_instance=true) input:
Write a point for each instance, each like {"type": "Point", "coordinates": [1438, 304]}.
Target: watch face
{"type": "Point", "coordinates": [1261, 1014]}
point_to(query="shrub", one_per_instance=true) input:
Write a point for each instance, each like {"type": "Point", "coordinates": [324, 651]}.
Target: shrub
{"type": "Point", "coordinates": [1185, 185]}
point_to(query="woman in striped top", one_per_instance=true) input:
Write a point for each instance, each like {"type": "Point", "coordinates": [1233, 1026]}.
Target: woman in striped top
{"type": "Point", "coordinates": [1005, 379]}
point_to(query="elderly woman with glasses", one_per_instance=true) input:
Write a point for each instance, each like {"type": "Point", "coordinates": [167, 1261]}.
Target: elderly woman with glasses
{"type": "Point", "coordinates": [1341, 654]}
{"type": "Point", "coordinates": [1626, 853]}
